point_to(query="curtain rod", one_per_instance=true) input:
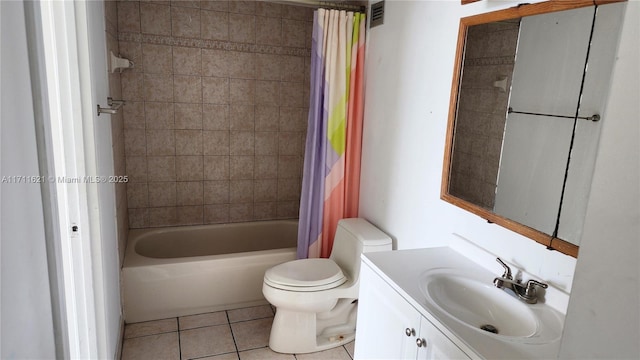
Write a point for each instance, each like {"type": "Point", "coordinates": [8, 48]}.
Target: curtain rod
{"type": "Point", "coordinates": [337, 5]}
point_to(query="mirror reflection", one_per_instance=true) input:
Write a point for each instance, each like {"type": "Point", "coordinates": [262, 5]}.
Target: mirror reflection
{"type": "Point", "coordinates": [529, 100]}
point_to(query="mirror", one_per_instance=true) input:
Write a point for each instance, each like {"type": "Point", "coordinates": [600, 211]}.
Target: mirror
{"type": "Point", "coordinates": [528, 89]}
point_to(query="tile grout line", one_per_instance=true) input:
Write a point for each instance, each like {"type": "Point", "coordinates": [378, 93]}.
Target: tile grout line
{"type": "Point", "coordinates": [212, 325]}
{"type": "Point", "coordinates": [179, 339]}
{"type": "Point", "coordinates": [347, 351]}
{"type": "Point", "coordinates": [235, 344]}
{"type": "Point", "coordinates": [208, 356]}
{"type": "Point", "coordinates": [147, 335]}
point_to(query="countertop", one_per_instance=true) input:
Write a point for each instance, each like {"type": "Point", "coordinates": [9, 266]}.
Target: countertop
{"type": "Point", "coordinates": [402, 270]}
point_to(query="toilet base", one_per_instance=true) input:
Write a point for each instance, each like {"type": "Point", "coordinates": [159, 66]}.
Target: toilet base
{"type": "Point", "coordinates": [295, 332]}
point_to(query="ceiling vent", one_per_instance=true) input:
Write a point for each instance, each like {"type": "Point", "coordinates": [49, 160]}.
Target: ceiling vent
{"type": "Point", "coordinates": [377, 14]}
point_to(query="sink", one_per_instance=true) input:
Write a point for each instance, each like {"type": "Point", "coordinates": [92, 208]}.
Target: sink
{"type": "Point", "coordinates": [478, 304]}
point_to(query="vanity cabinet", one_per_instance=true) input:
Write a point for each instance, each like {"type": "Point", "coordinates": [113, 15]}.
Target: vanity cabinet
{"type": "Point", "coordinates": [391, 328]}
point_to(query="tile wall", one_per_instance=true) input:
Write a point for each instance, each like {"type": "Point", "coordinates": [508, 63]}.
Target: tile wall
{"type": "Point", "coordinates": [482, 110]}
{"type": "Point", "coordinates": [117, 129]}
{"type": "Point", "coordinates": [215, 121]}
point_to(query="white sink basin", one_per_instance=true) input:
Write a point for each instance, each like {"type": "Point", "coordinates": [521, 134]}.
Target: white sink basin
{"type": "Point", "coordinates": [479, 305]}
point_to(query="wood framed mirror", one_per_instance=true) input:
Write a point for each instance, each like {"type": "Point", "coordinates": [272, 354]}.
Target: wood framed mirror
{"type": "Point", "coordinates": [525, 114]}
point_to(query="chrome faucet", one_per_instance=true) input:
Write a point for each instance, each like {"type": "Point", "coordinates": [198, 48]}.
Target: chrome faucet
{"type": "Point", "coordinates": [526, 292]}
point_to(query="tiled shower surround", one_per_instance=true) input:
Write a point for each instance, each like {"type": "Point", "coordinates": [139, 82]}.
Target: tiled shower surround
{"type": "Point", "coordinates": [216, 113]}
{"type": "Point", "coordinates": [489, 56]}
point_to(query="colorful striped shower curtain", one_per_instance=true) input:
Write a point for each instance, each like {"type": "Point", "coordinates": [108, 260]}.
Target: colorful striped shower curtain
{"type": "Point", "coordinates": [331, 180]}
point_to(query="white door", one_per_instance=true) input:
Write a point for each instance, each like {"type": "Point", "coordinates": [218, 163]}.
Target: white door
{"type": "Point", "coordinates": [387, 325]}
{"type": "Point", "coordinates": [99, 159]}
{"type": "Point", "coordinates": [74, 55]}
{"type": "Point", "coordinates": [435, 345]}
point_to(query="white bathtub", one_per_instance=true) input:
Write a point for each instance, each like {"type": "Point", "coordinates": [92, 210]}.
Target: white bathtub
{"type": "Point", "coordinates": [187, 270]}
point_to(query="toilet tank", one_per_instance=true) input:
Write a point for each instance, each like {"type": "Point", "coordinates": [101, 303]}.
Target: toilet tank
{"type": "Point", "coordinates": [354, 237]}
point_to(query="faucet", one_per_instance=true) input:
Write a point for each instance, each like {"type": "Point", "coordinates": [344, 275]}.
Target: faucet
{"type": "Point", "coordinates": [526, 292]}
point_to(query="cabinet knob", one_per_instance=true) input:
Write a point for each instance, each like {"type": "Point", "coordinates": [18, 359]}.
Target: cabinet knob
{"type": "Point", "coordinates": [410, 332]}
{"type": "Point", "coordinates": [421, 342]}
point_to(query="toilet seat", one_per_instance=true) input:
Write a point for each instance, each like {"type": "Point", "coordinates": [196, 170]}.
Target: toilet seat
{"type": "Point", "coordinates": [305, 275]}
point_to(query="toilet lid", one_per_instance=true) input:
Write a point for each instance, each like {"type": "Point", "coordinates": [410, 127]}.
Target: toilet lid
{"type": "Point", "coordinates": [305, 275]}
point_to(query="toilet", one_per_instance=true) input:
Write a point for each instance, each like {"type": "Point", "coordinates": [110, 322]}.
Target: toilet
{"type": "Point", "coordinates": [316, 299]}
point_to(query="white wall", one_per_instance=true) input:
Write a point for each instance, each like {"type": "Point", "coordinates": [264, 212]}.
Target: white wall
{"type": "Point", "coordinates": [25, 312]}
{"type": "Point", "coordinates": [603, 320]}
{"type": "Point", "coordinates": [408, 70]}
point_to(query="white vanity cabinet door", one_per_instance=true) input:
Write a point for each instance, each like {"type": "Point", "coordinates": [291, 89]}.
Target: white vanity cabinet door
{"type": "Point", "coordinates": [383, 319]}
{"type": "Point", "coordinates": [390, 328]}
{"type": "Point", "coordinates": [437, 345]}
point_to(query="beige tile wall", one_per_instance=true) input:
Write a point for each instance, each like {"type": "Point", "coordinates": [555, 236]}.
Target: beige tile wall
{"type": "Point", "coordinates": [117, 129]}
{"type": "Point", "coordinates": [215, 121]}
{"type": "Point", "coordinates": [482, 110]}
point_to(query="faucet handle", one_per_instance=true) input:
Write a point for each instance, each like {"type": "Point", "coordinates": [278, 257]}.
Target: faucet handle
{"type": "Point", "coordinates": [507, 269]}
{"type": "Point", "coordinates": [530, 290]}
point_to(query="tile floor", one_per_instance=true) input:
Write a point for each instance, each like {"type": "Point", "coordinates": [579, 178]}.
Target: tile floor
{"type": "Point", "coordinates": [224, 335]}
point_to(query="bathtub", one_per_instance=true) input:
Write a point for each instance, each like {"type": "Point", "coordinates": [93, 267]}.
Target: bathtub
{"type": "Point", "coordinates": [177, 271]}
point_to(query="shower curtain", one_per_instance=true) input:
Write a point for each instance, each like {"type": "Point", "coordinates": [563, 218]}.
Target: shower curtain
{"type": "Point", "coordinates": [331, 179]}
